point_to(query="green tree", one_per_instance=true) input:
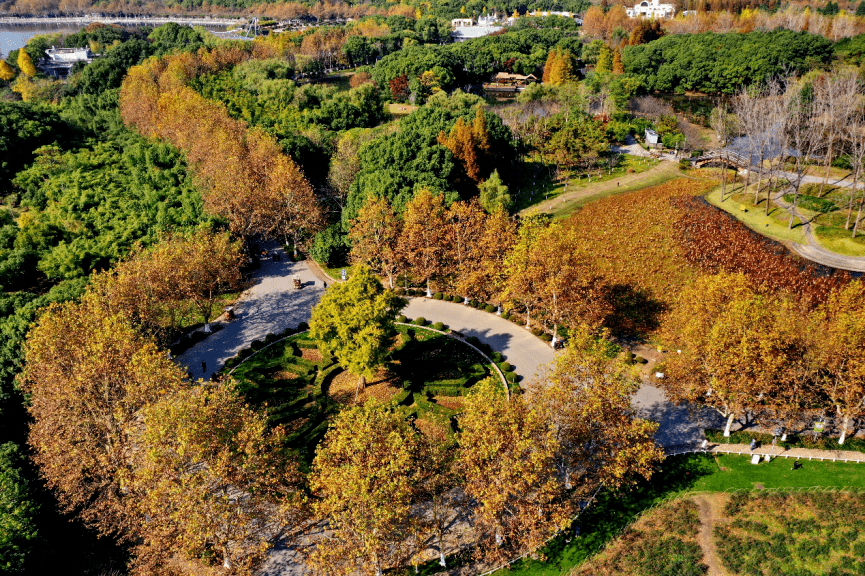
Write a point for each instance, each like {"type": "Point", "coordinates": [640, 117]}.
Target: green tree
{"type": "Point", "coordinates": [494, 194]}
{"type": "Point", "coordinates": [17, 511]}
{"type": "Point", "coordinates": [364, 476]}
{"type": "Point", "coordinates": [860, 10]}
{"type": "Point", "coordinates": [354, 322]}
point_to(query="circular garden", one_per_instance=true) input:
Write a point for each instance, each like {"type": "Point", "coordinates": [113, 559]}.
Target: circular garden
{"type": "Point", "coordinates": [425, 378]}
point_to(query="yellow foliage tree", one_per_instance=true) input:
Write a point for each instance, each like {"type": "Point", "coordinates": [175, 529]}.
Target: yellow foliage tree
{"type": "Point", "coordinates": [7, 73]}
{"type": "Point", "coordinates": [25, 63]}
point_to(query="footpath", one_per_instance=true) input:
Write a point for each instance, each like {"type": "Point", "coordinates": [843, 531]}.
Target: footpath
{"type": "Point", "coordinates": [794, 453]}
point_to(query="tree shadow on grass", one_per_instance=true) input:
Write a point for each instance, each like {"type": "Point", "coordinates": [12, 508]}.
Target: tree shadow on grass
{"type": "Point", "coordinates": [633, 310]}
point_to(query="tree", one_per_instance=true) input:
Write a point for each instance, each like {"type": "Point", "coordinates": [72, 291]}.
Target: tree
{"type": "Point", "coordinates": [421, 245]}
{"type": "Point", "coordinates": [839, 341]}
{"type": "Point", "coordinates": [374, 238]}
{"type": "Point", "coordinates": [25, 64]}
{"type": "Point", "coordinates": [87, 374]}
{"type": "Point", "coordinates": [354, 322]}
{"type": "Point", "coordinates": [364, 479]}
{"type": "Point", "coordinates": [506, 455]}
{"type": "Point", "coordinates": [494, 194]}
{"type": "Point", "coordinates": [723, 124]}
{"type": "Point", "coordinates": [860, 9]}
{"type": "Point", "coordinates": [617, 68]}
{"type": "Point", "coordinates": [155, 289]}
{"type": "Point", "coordinates": [587, 400]}
{"type": "Point", "coordinates": [737, 346]}
{"type": "Point", "coordinates": [18, 510]}
{"type": "Point", "coordinates": [7, 73]}
{"type": "Point", "coordinates": [210, 478]}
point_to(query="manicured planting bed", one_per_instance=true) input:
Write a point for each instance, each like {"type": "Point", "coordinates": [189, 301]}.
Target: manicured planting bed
{"type": "Point", "coordinates": [611, 512]}
{"type": "Point", "coordinates": [796, 533]}
{"type": "Point", "coordinates": [427, 375]}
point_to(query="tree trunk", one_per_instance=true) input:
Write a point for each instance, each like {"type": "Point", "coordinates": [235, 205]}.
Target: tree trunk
{"type": "Point", "coordinates": [361, 385]}
{"type": "Point", "coordinates": [844, 429]}
{"type": "Point", "coordinates": [858, 218]}
{"type": "Point", "coordinates": [729, 423]}
{"type": "Point", "coordinates": [723, 181]}
{"type": "Point", "coordinates": [759, 182]}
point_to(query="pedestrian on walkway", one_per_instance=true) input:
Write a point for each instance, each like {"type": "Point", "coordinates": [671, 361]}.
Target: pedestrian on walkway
{"type": "Point", "coordinates": [204, 367]}
{"type": "Point", "coordinates": [753, 443]}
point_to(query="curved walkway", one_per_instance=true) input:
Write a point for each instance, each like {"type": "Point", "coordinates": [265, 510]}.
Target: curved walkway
{"type": "Point", "coordinates": [270, 305]}
{"type": "Point", "coordinates": [525, 351]}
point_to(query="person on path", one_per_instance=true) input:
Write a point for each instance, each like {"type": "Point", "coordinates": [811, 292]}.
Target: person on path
{"type": "Point", "coordinates": [753, 443]}
{"type": "Point", "coordinates": [204, 367]}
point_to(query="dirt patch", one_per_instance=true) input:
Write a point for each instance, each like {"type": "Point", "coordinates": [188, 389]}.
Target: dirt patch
{"type": "Point", "coordinates": [431, 429]}
{"type": "Point", "coordinates": [382, 387]}
{"type": "Point", "coordinates": [449, 402]}
{"type": "Point", "coordinates": [310, 354]}
{"type": "Point", "coordinates": [285, 375]}
{"type": "Point", "coordinates": [711, 512]}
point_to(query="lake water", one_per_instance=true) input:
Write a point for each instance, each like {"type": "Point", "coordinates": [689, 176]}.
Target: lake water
{"type": "Point", "coordinates": [15, 37]}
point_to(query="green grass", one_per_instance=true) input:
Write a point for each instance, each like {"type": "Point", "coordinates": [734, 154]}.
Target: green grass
{"type": "Point", "coordinates": [602, 521]}
{"type": "Point", "coordinates": [754, 217]}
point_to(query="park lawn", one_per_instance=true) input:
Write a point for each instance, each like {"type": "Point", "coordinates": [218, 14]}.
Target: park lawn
{"type": "Point", "coordinates": [678, 475]}
{"type": "Point", "coordinates": [398, 109]}
{"type": "Point", "coordinates": [540, 193]}
{"type": "Point", "coordinates": [754, 217]}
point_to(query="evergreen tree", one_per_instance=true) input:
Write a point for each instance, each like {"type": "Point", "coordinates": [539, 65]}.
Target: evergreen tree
{"type": "Point", "coordinates": [494, 194]}
{"type": "Point", "coordinates": [605, 60]}
{"type": "Point", "coordinates": [860, 10]}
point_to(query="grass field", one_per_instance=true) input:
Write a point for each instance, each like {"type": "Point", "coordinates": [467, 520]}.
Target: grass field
{"type": "Point", "coordinates": [544, 195]}
{"type": "Point", "coordinates": [754, 217]}
{"type": "Point", "coordinates": [603, 521]}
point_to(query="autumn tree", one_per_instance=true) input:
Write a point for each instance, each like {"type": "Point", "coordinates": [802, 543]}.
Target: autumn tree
{"type": "Point", "coordinates": [374, 238]}
{"type": "Point", "coordinates": [421, 245]}
{"type": "Point", "coordinates": [464, 228]}
{"type": "Point", "coordinates": [461, 142]}
{"type": "Point", "coordinates": [7, 73]}
{"type": "Point", "coordinates": [559, 68]}
{"type": "Point", "coordinates": [156, 289]}
{"type": "Point", "coordinates": [587, 401]}
{"type": "Point", "coordinates": [839, 341]}
{"type": "Point", "coordinates": [736, 346]}
{"type": "Point", "coordinates": [364, 478]}
{"type": "Point", "coordinates": [355, 322]}
{"type": "Point", "coordinates": [210, 477]}
{"type": "Point", "coordinates": [506, 456]}
{"type": "Point", "coordinates": [25, 64]}
{"type": "Point", "coordinates": [87, 374]}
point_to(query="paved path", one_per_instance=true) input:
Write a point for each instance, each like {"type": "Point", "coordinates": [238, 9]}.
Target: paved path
{"type": "Point", "coordinates": [795, 453]}
{"type": "Point", "coordinates": [270, 305]}
{"type": "Point", "coordinates": [679, 426]}
{"type": "Point", "coordinates": [525, 351]}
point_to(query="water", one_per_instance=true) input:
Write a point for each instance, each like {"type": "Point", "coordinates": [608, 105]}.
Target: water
{"type": "Point", "coordinates": [15, 37]}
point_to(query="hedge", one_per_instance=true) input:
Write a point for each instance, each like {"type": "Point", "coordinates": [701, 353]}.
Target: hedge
{"type": "Point", "coordinates": [490, 308]}
{"type": "Point", "coordinates": [420, 321]}
{"type": "Point", "coordinates": [438, 326]}
{"type": "Point", "coordinates": [438, 295]}
{"type": "Point", "coordinates": [401, 319]}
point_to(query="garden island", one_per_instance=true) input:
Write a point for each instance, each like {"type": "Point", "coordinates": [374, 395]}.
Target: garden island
{"type": "Point", "coordinates": [433, 288]}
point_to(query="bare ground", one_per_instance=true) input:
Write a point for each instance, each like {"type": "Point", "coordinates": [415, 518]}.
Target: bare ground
{"type": "Point", "coordinates": [711, 512]}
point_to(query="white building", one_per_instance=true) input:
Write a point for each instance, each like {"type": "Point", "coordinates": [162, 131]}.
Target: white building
{"type": "Point", "coordinates": [69, 54]}
{"type": "Point", "coordinates": [653, 9]}
{"type": "Point", "coordinates": [465, 28]}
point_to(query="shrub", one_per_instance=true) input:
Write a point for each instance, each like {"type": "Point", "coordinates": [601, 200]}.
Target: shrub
{"type": "Point", "coordinates": [473, 340]}
{"type": "Point", "coordinates": [456, 299]}
{"type": "Point", "coordinates": [506, 316]}
{"type": "Point", "coordinates": [506, 367]}
{"type": "Point", "coordinates": [257, 345]}
{"type": "Point", "coordinates": [511, 377]}
{"type": "Point", "coordinates": [231, 363]}
{"type": "Point", "coordinates": [302, 327]}
{"type": "Point", "coordinates": [401, 319]}
{"type": "Point", "coordinates": [438, 295]}
{"type": "Point", "coordinates": [490, 308]}
{"type": "Point", "coordinates": [516, 320]}
{"type": "Point", "coordinates": [329, 246]}
{"type": "Point", "coordinates": [438, 326]}
{"type": "Point", "coordinates": [244, 353]}
{"type": "Point", "coordinates": [537, 332]}
{"type": "Point", "coordinates": [497, 357]}
{"type": "Point", "coordinates": [640, 360]}
{"type": "Point", "coordinates": [547, 337]}
{"type": "Point", "coordinates": [473, 303]}
{"type": "Point", "coordinates": [270, 338]}
{"type": "Point", "coordinates": [287, 332]}
{"type": "Point", "coordinates": [420, 321]}
{"type": "Point", "coordinates": [684, 163]}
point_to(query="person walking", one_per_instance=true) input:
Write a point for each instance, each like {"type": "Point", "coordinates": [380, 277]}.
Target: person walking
{"type": "Point", "coordinates": [204, 367]}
